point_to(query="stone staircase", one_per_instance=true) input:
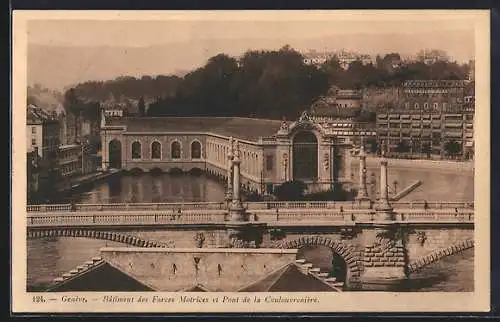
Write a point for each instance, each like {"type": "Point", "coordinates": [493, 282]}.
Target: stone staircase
{"type": "Point", "coordinates": [308, 268]}
{"type": "Point", "coordinates": [77, 271]}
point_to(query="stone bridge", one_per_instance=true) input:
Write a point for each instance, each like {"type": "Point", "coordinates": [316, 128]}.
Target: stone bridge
{"type": "Point", "coordinates": [375, 251]}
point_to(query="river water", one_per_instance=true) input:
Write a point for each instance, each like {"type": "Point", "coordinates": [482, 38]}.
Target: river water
{"type": "Point", "coordinates": [51, 257]}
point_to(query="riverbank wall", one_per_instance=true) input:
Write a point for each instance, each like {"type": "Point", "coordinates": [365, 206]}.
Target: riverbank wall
{"type": "Point", "coordinates": [425, 165]}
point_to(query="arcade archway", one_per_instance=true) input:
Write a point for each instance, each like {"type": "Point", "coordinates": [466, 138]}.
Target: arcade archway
{"type": "Point", "coordinates": [326, 259]}
{"type": "Point", "coordinates": [305, 157]}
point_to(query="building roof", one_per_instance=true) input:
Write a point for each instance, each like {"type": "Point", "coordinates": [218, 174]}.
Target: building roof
{"type": "Point", "coordinates": [243, 128]}
{"type": "Point", "coordinates": [37, 115]}
{"type": "Point", "coordinates": [289, 278]}
{"type": "Point", "coordinates": [69, 146]}
{"type": "Point", "coordinates": [102, 276]}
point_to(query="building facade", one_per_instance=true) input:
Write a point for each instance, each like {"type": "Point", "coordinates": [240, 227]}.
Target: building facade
{"type": "Point", "coordinates": [315, 150]}
{"type": "Point", "coordinates": [436, 119]}
{"type": "Point", "coordinates": [70, 160]}
{"type": "Point", "coordinates": [43, 140]}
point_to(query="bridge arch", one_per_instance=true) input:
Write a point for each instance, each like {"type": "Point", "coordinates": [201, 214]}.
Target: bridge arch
{"type": "Point", "coordinates": [351, 259]}
{"type": "Point", "coordinates": [439, 254]}
{"type": "Point", "coordinates": [95, 234]}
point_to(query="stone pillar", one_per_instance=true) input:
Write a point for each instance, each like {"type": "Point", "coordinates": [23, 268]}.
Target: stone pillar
{"type": "Point", "coordinates": [384, 258]}
{"type": "Point", "coordinates": [384, 209]}
{"type": "Point", "coordinates": [229, 188]}
{"type": "Point", "coordinates": [362, 190]}
{"type": "Point", "coordinates": [104, 150]}
{"type": "Point", "coordinates": [348, 165]}
{"type": "Point", "coordinates": [236, 210]}
{"type": "Point", "coordinates": [240, 232]}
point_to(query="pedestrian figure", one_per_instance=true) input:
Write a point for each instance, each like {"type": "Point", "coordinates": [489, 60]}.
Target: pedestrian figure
{"type": "Point", "coordinates": [341, 209]}
{"type": "Point", "coordinates": [426, 205]}
{"type": "Point", "coordinates": [456, 212]}
{"type": "Point", "coordinates": [173, 215]}
{"type": "Point", "coordinates": [277, 215]}
{"type": "Point", "coordinates": [179, 213]}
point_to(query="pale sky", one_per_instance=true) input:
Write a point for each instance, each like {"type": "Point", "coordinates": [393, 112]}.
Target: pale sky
{"type": "Point", "coordinates": [62, 52]}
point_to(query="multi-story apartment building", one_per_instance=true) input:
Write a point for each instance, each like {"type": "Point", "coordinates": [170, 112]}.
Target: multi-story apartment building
{"type": "Point", "coordinates": [435, 119]}
{"type": "Point", "coordinates": [70, 160]}
{"type": "Point", "coordinates": [344, 57]}
{"type": "Point", "coordinates": [42, 132]}
{"type": "Point", "coordinates": [32, 173]}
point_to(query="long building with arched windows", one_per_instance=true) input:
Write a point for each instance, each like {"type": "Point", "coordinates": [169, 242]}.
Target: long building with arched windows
{"type": "Point", "coordinates": [313, 149]}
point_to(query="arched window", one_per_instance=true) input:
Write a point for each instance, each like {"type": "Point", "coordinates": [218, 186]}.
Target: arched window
{"type": "Point", "coordinates": [426, 106]}
{"type": "Point", "coordinates": [115, 154]}
{"type": "Point", "coordinates": [416, 106]}
{"type": "Point", "coordinates": [435, 106]}
{"type": "Point", "coordinates": [156, 150]}
{"type": "Point", "coordinates": [176, 150]}
{"type": "Point", "coordinates": [195, 150]}
{"type": "Point", "coordinates": [136, 150]}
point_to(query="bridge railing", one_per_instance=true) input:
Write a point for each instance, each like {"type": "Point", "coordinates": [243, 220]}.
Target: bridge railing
{"type": "Point", "coordinates": [126, 206]}
{"type": "Point", "coordinates": [103, 219]}
{"type": "Point", "coordinates": [249, 205]}
{"type": "Point", "coordinates": [291, 216]}
{"type": "Point", "coordinates": [436, 216]}
{"type": "Point", "coordinates": [307, 205]}
{"type": "Point", "coordinates": [434, 204]}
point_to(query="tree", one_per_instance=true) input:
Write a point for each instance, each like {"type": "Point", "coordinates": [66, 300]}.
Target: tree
{"type": "Point", "coordinates": [142, 107]}
{"type": "Point", "coordinates": [290, 190]}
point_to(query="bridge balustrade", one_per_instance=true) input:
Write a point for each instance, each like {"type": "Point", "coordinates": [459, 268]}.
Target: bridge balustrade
{"type": "Point", "coordinates": [302, 216]}
{"type": "Point", "coordinates": [433, 204]}
{"type": "Point", "coordinates": [436, 216]}
{"type": "Point", "coordinates": [291, 216]}
{"type": "Point", "coordinates": [150, 218]}
{"type": "Point", "coordinates": [249, 205]}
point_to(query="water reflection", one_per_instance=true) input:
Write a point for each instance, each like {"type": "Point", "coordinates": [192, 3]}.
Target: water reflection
{"type": "Point", "coordinates": [152, 188]}
{"type": "Point", "coordinates": [51, 257]}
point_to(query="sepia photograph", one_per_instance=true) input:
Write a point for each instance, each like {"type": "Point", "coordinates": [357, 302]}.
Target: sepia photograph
{"type": "Point", "coordinates": [243, 161]}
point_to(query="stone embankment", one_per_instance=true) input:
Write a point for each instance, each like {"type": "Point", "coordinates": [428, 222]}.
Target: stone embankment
{"type": "Point", "coordinates": [429, 165]}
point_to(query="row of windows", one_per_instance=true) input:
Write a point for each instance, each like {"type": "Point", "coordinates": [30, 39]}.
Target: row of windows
{"type": "Point", "coordinates": [70, 168]}
{"type": "Point", "coordinates": [69, 154]}
{"type": "Point", "coordinates": [250, 163]}
{"type": "Point", "coordinates": [408, 117]}
{"type": "Point", "coordinates": [426, 105]}
{"type": "Point", "coordinates": [175, 150]}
